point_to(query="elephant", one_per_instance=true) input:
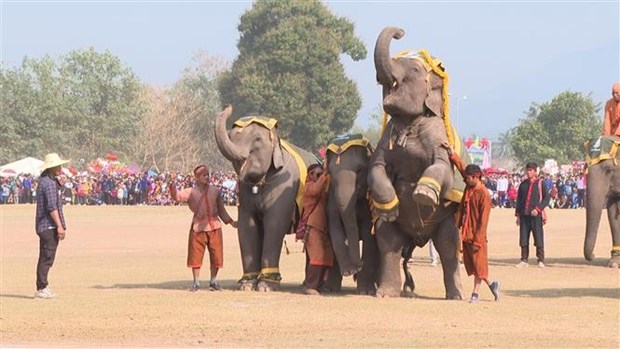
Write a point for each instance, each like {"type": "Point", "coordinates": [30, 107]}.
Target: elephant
{"type": "Point", "coordinates": [410, 175]}
{"type": "Point", "coordinates": [348, 212]}
{"type": "Point", "coordinates": [603, 191]}
{"type": "Point", "coordinates": [271, 174]}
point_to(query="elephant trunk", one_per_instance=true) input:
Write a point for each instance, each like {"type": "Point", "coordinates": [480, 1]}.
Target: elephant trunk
{"type": "Point", "coordinates": [382, 54]}
{"type": "Point", "coordinates": [230, 150]}
{"type": "Point", "coordinates": [595, 202]}
{"type": "Point", "coordinates": [346, 199]}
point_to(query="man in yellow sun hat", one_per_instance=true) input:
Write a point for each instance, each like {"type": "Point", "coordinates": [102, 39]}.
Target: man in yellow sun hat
{"type": "Point", "coordinates": [49, 221]}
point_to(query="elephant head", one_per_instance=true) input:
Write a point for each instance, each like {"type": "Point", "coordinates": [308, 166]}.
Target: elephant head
{"type": "Point", "coordinates": [405, 76]}
{"type": "Point", "coordinates": [603, 191]}
{"type": "Point", "coordinates": [253, 146]}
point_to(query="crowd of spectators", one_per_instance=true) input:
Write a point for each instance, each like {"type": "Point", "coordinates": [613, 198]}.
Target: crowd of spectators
{"type": "Point", "coordinates": [567, 190]}
{"type": "Point", "coordinates": [116, 189]}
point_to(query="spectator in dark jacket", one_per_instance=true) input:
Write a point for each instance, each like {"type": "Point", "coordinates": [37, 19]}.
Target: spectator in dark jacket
{"type": "Point", "coordinates": [532, 199]}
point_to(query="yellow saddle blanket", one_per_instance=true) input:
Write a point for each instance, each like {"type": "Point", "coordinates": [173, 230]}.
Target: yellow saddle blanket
{"type": "Point", "coordinates": [602, 148]}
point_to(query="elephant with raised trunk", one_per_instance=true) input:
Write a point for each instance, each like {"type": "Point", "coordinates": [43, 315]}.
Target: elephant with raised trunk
{"type": "Point", "coordinates": [603, 191]}
{"type": "Point", "coordinates": [410, 176]}
{"type": "Point", "coordinates": [348, 212]}
{"type": "Point", "coordinates": [271, 173]}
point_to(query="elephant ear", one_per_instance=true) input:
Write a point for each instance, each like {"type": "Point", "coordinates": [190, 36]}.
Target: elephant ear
{"type": "Point", "coordinates": [278, 157]}
{"type": "Point", "coordinates": [434, 99]}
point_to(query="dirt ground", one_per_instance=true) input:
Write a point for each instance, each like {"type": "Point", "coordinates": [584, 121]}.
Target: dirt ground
{"type": "Point", "coordinates": [121, 280]}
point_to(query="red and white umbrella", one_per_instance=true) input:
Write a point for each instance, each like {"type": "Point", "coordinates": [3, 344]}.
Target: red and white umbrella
{"type": "Point", "coordinates": [8, 172]}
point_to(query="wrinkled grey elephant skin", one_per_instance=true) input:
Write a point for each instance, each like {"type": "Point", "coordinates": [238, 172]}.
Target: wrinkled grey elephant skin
{"type": "Point", "coordinates": [269, 183]}
{"type": "Point", "coordinates": [410, 173]}
{"type": "Point", "coordinates": [603, 191]}
{"type": "Point", "coordinates": [349, 219]}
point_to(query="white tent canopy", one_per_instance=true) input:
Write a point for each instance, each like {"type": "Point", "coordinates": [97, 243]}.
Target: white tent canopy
{"type": "Point", "coordinates": [28, 165]}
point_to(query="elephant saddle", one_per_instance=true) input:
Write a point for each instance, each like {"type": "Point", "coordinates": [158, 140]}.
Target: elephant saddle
{"type": "Point", "coordinates": [602, 148]}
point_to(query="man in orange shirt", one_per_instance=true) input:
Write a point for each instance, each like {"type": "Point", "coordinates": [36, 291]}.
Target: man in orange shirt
{"type": "Point", "coordinates": [611, 126]}
{"type": "Point", "coordinates": [206, 231]}
{"type": "Point", "coordinates": [472, 219]}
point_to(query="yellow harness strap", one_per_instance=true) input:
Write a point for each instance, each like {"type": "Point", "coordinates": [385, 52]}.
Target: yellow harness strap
{"type": "Point", "coordinates": [267, 122]}
{"type": "Point", "coordinates": [303, 173]}
{"type": "Point", "coordinates": [339, 149]}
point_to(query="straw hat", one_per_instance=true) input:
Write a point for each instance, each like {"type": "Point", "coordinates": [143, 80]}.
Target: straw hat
{"type": "Point", "coordinates": [52, 160]}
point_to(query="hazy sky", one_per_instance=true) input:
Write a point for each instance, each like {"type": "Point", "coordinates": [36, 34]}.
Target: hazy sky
{"type": "Point", "coordinates": [502, 55]}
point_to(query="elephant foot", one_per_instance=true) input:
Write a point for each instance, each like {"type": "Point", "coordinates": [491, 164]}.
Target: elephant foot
{"type": "Point", "coordinates": [383, 292]}
{"type": "Point", "coordinates": [614, 262]}
{"type": "Point", "coordinates": [425, 195]}
{"type": "Point", "coordinates": [366, 286]}
{"type": "Point", "coordinates": [267, 286]}
{"type": "Point", "coordinates": [248, 285]}
{"type": "Point", "coordinates": [454, 296]}
{"type": "Point", "coordinates": [366, 291]}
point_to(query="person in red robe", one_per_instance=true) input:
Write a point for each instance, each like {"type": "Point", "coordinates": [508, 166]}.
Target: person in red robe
{"type": "Point", "coordinates": [611, 125]}
{"type": "Point", "coordinates": [472, 219]}
{"type": "Point", "coordinates": [318, 246]}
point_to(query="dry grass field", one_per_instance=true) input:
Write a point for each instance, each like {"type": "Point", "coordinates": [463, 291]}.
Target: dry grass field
{"type": "Point", "coordinates": [121, 280]}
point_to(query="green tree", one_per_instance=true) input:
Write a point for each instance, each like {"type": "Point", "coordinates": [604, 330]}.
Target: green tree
{"type": "Point", "coordinates": [32, 110]}
{"type": "Point", "coordinates": [82, 105]}
{"type": "Point", "coordinates": [289, 68]}
{"type": "Point", "coordinates": [556, 129]}
{"type": "Point", "coordinates": [103, 99]}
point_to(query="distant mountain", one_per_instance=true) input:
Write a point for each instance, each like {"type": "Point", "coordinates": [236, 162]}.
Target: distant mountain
{"type": "Point", "coordinates": [589, 71]}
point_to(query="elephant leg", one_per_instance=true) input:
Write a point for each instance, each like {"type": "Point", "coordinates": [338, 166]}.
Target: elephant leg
{"type": "Point", "coordinates": [251, 249]}
{"type": "Point", "coordinates": [447, 242]}
{"type": "Point", "coordinates": [613, 214]}
{"type": "Point", "coordinates": [367, 277]}
{"type": "Point", "coordinates": [275, 226]}
{"type": "Point", "coordinates": [390, 242]}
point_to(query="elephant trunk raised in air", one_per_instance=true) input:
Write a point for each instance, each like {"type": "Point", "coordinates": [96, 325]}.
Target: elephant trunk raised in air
{"type": "Point", "coordinates": [230, 150]}
{"type": "Point", "coordinates": [271, 173]}
{"type": "Point", "coordinates": [382, 55]}
{"type": "Point", "coordinates": [410, 177]}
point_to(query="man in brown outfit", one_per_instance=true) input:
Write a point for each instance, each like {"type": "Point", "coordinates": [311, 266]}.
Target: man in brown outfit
{"type": "Point", "coordinates": [472, 218]}
{"type": "Point", "coordinates": [206, 230]}
{"type": "Point", "coordinates": [319, 252]}
{"type": "Point", "coordinates": [611, 122]}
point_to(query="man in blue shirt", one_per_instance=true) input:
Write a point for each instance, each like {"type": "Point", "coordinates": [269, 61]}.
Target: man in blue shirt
{"type": "Point", "coordinates": [49, 221]}
{"type": "Point", "coordinates": [27, 185]}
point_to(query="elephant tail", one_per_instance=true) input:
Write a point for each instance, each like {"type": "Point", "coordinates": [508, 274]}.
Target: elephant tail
{"type": "Point", "coordinates": [407, 254]}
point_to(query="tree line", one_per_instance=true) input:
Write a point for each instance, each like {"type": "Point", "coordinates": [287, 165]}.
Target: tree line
{"type": "Point", "coordinates": [86, 103]}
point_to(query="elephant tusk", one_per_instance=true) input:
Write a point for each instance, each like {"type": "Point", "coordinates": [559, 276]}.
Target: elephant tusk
{"type": "Point", "coordinates": [395, 83]}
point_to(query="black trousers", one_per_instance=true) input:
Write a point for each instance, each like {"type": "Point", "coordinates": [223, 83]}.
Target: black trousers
{"type": "Point", "coordinates": [534, 225]}
{"type": "Point", "coordinates": [48, 244]}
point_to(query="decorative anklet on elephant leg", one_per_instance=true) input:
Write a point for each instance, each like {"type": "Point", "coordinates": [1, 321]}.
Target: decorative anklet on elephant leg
{"type": "Point", "coordinates": [249, 278]}
{"type": "Point", "coordinates": [615, 251]}
{"type": "Point", "coordinates": [426, 186]}
{"type": "Point", "coordinates": [270, 275]}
